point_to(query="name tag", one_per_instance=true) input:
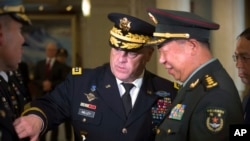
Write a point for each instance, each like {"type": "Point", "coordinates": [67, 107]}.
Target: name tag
{"type": "Point", "coordinates": [86, 113]}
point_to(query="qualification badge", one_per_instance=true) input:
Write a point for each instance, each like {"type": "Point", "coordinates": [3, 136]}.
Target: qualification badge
{"type": "Point", "coordinates": [159, 110]}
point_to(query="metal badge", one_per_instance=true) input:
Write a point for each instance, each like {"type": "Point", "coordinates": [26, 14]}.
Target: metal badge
{"type": "Point", "coordinates": [90, 96]}
{"type": "Point", "coordinates": [162, 93]}
{"type": "Point", "coordinates": [76, 71]}
{"type": "Point", "coordinates": [125, 24]}
{"type": "Point", "coordinates": [152, 17]}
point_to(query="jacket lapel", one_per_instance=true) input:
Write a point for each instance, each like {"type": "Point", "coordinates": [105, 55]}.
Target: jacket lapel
{"type": "Point", "coordinates": [145, 100]}
{"type": "Point", "coordinates": [108, 90]}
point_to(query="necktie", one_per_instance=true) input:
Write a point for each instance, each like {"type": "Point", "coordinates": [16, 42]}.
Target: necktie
{"type": "Point", "coordinates": [47, 68]}
{"type": "Point", "coordinates": [126, 97]}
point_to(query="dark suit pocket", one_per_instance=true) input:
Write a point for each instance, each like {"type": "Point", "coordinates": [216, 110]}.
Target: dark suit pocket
{"type": "Point", "coordinates": [169, 130]}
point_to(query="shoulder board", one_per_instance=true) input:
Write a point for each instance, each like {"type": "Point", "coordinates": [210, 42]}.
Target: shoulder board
{"type": "Point", "coordinates": [76, 70]}
{"type": "Point", "coordinates": [209, 81]}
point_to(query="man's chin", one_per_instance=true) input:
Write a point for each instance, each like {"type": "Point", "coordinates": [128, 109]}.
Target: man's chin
{"type": "Point", "coordinates": [245, 80]}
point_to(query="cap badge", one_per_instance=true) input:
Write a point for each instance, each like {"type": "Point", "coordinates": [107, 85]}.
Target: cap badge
{"type": "Point", "coordinates": [152, 18]}
{"type": "Point", "coordinates": [125, 24]}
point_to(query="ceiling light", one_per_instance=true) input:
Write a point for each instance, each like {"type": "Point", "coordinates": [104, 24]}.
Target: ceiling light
{"type": "Point", "coordinates": [40, 7]}
{"type": "Point", "coordinates": [69, 8]}
{"type": "Point", "coordinates": [86, 8]}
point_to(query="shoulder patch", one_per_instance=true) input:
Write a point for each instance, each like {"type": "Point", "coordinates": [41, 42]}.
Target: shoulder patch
{"type": "Point", "coordinates": [210, 82]}
{"type": "Point", "coordinates": [215, 119]}
{"type": "Point", "coordinates": [76, 71]}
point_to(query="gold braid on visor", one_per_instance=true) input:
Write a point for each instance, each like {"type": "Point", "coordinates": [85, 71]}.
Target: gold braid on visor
{"type": "Point", "coordinates": [130, 37]}
{"type": "Point", "coordinates": [12, 9]}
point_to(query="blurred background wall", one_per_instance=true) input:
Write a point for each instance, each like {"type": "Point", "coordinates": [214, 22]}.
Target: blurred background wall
{"type": "Point", "coordinates": [88, 35]}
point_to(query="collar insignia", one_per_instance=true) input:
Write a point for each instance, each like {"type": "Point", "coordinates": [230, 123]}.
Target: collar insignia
{"type": "Point", "coordinates": [192, 85]}
{"type": "Point", "coordinates": [108, 86]}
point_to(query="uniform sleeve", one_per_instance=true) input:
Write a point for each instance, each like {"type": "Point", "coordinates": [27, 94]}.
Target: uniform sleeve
{"type": "Point", "coordinates": [54, 107]}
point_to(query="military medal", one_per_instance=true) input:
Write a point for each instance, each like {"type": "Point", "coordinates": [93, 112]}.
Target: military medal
{"type": "Point", "coordinates": [159, 110]}
{"type": "Point", "coordinates": [177, 112]}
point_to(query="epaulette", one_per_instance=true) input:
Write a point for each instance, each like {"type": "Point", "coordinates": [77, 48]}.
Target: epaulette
{"type": "Point", "coordinates": [76, 70]}
{"type": "Point", "coordinates": [209, 81]}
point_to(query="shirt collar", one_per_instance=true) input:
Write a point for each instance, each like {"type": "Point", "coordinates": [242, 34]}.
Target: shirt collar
{"type": "Point", "coordinates": [4, 75]}
{"type": "Point", "coordinates": [137, 82]}
{"type": "Point", "coordinates": [200, 67]}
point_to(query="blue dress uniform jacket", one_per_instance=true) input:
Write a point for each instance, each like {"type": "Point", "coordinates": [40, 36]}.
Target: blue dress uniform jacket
{"type": "Point", "coordinates": [13, 96]}
{"type": "Point", "coordinates": [93, 103]}
{"type": "Point", "coordinates": [204, 108]}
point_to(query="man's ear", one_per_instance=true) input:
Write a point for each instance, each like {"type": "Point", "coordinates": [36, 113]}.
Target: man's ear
{"type": "Point", "coordinates": [193, 43]}
{"type": "Point", "coordinates": [150, 53]}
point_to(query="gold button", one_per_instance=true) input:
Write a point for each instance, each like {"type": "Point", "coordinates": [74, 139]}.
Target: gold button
{"type": "Point", "coordinates": [84, 120]}
{"type": "Point", "coordinates": [124, 131]}
{"type": "Point", "coordinates": [158, 131]}
{"type": "Point", "coordinates": [169, 131]}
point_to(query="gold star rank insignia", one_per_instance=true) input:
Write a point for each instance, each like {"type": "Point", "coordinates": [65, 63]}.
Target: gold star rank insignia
{"type": "Point", "coordinates": [76, 71]}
